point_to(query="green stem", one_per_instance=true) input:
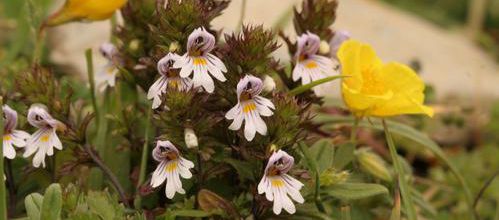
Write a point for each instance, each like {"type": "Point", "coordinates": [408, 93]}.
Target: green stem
{"type": "Point", "coordinates": [143, 160]}
{"type": "Point", "coordinates": [303, 88]}
{"type": "Point", "coordinates": [317, 194]}
{"type": "Point", "coordinates": [91, 80]}
{"type": "Point", "coordinates": [353, 132]}
{"type": "Point", "coordinates": [345, 213]}
{"type": "Point", "coordinates": [242, 14]}
{"type": "Point", "coordinates": [3, 195]}
{"type": "Point", "coordinates": [404, 186]}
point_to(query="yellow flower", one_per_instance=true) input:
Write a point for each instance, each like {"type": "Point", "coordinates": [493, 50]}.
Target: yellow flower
{"type": "Point", "coordinates": [92, 10]}
{"type": "Point", "coordinates": [374, 88]}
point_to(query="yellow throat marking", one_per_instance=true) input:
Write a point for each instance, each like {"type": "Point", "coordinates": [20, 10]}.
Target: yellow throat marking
{"type": "Point", "coordinates": [172, 166]}
{"type": "Point", "coordinates": [311, 64]}
{"type": "Point", "coordinates": [7, 137]}
{"type": "Point", "coordinates": [278, 183]}
{"type": "Point", "coordinates": [249, 107]}
{"type": "Point", "coordinates": [199, 61]}
{"type": "Point", "coordinates": [45, 138]}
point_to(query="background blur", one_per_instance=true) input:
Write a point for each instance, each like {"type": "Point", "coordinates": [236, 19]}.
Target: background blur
{"type": "Point", "coordinates": [453, 44]}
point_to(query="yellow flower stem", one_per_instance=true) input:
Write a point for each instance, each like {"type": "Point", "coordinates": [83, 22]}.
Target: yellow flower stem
{"type": "Point", "coordinates": [3, 195]}
{"type": "Point", "coordinates": [404, 186]}
{"type": "Point", "coordinates": [353, 132]}
{"type": "Point", "coordinates": [143, 160]}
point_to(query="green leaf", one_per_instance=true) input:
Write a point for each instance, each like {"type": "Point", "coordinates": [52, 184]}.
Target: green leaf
{"type": "Point", "coordinates": [355, 191]}
{"type": "Point", "coordinates": [301, 89]}
{"type": "Point", "coordinates": [411, 134]}
{"type": "Point", "coordinates": [344, 155]}
{"type": "Point", "coordinates": [322, 151]}
{"type": "Point", "coordinates": [99, 204]}
{"type": "Point", "coordinates": [242, 168]}
{"type": "Point", "coordinates": [33, 204]}
{"type": "Point", "coordinates": [52, 202]}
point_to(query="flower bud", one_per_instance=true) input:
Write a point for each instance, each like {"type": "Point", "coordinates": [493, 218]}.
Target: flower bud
{"type": "Point", "coordinates": [268, 84]}
{"type": "Point", "coordinates": [134, 45]}
{"type": "Point", "coordinates": [191, 140]}
{"type": "Point", "coordinates": [324, 47]}
{"type": "Point", "coordinates": [174, 46]}
{"type": "Point", "coordinates": [373, 164]}
{"type": "Point", "coordinates": [331, 177]}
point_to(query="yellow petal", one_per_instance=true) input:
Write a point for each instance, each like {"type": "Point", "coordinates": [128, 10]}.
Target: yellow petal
{"type": "Point", "coordinates": [356, 57]}
{"type": "Point", "coordinates": [84, 10]}
{"type": "Point", "coordinates": [362, 104]}
{"type": "Point", "coordinates": [408, 90]}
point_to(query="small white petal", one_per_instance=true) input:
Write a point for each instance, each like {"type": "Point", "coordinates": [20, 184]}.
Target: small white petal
{"type": "Point", "coordinates": [8, 150]}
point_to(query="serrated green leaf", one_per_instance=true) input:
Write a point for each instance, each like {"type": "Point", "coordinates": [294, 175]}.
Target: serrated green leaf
{"type": "Point", "coordinates": [343, 155]}
{"type": "Point", "coordinates": [322, 151]}
{"type": "Point", "coordinates": [99, 204]}
{"type": "Point", "coordinates": [33, 204]}
{"type": "Point", "coordinates": [52, 202]}
{"type": "Point", "coordinates": [355, 191]}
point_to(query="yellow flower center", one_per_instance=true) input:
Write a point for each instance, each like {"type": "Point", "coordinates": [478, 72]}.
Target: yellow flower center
{"type": "Point", "coordinates": [278, 183]}
{"type": "Point", "coordinates": [311, 64]}
{"type": "Point", "coordinates": [199, 61]}
{"type": "Point", "coordinates": [7, 137]}
{"type": "Point", "coordinates": [174, 83]}
{"type": "Point", "coordinates": [371, 83]}
{"type": "Point", "coordinates": [249, 107]}
{"type": "Point", "coordinates": [172, 166]}
{"type": "Point", "coordinates": [110, 70]}
{"type": "Point", "coordinates": [45, 138]}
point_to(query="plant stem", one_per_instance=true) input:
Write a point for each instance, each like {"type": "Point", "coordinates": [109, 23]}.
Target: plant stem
{"type": "Point", "coordinates": [317, 194]}
{"type": "Point", "coordinates": [404, 186]}
{"type": "Point", "coordinates": [3, 196]}
{"type": "Point", "coordinates": [12, 188]}
{"type": "Point", "coordinates": [97, 160]}
{"type": "Point", "coordinates": [345, 213]}
{"type": "Point", "coordinates": [353, 132]}
{"type": "Point", "coordinates": [143, 160]}
{"type": "Point", "coordinates": [91, 80]}
{"type": "Point", "coordinates": [242, 14]}
{"type": "Point", "coordinates": [482, 191]}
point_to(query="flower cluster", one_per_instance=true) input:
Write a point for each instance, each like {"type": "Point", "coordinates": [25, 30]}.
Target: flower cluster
{"type": "Point", "coordinates": [41, 143]}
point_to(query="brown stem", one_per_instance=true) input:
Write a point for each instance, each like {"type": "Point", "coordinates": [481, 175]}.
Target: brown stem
{"type": "Point", "coordinates": [12, 188]}
{"type": "Point", "coordinates": [114, 181]}
{"type": "Point", "coordinates": [482, 191]}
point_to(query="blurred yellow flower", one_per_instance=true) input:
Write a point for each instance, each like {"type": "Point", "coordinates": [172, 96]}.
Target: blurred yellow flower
{"type": "Point", "coordinates": [91, 10]}
{"type": "Point", "coordinates": [374, 88]}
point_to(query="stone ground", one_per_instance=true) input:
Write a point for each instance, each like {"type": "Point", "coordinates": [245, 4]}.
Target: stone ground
{"type": "Point", "coordinates": [450, 61]}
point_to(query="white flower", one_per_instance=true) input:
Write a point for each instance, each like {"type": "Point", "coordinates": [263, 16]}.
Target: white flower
{"type": "Point", "coordinates": [278, 186]}
{"type": "Point", "coordinates": [170, 168]}
{"type": "Point", "coordinates": [107, 75]}
{"type": "Point", "coordinates": [169, 79]}
{"type": "Point", "coordinates": [310, 66]}
{"type": "Point", "coordinates": [335, 43]}
{"type": "Point", "coordinates": [268, 84]}
{"type": "Point", "coordinates": [199, 60]}
{"type": "Point", "coordinates": [191, 140]}
{"type": "Point", "coordinates": [250, 107]}
{"type": "Point", "coordinates": [45, 139]}
{"type": "Point", "coordinates": [12, 137]}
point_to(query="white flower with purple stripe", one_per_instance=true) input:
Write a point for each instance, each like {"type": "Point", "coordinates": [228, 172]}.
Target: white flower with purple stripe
{"type": "Point", "coordinates": [310, 66]}
{"type": "Point", "coordinates": [11, 136]}
{"type": "Point", "coordinates": [106, 77]}
{"type": "Point", "coordinates": [278, 186]}
{"type": "Point", "coordinates": [169, 78]}
{"type": "Point", "coordinates": [200, 62]}
{"type": "Point", "coordinates": [250, 107]}
{"type": "Point", "coordinates": [45, 139]}
{"type": "Point", "coordinates": [171, 167]}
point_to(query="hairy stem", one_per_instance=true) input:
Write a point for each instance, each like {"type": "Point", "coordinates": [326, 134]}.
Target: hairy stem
{"type": "Point", "coordinates": [404, 186]}
{"type": "Point", "coordinates": [114, 180]}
